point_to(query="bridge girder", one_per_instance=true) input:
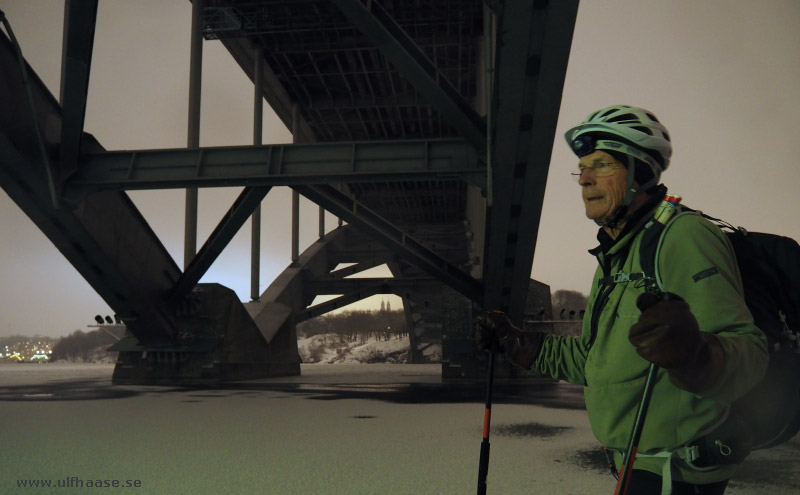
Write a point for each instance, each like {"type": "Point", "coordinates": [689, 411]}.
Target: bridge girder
{"type": "Point", "coordinates": [398, 84]}
{"type": "Point", "coordinates": [79, 26]}
{"type": "Point", "coordinates": [533, 50]}
{"type": "Point", "coordinates": [277, 165]}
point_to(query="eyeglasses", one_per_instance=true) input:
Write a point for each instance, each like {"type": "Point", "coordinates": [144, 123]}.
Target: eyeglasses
{"type": "Point", "coordinates": [597, 169]}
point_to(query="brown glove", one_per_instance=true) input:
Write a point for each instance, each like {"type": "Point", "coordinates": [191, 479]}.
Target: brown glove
{"type": "Point", "coordinates": [495, 332]}
{"type": "Point", "coordinates": [667, 335]}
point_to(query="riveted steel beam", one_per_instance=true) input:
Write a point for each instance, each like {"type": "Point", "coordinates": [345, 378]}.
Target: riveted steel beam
{"type": "Point", "coordinates": [399, 48]}
{"type": "Point", "coordinates": [328, 286]}
{"type": "Point", "coordinates": [395, 239]}
{"type": "Point", "coordinates": [80, 17]}
{"type": "Point", "coordinates": [340, 302]}
{"type": "Point", "coordinates": [230, 224]}
{"type": "Point", "coordinates": [104, 236]}
{"type": "Point", "coordinates": [534, 42]}
{"type": "Point", "coordinates": [357, 268]}
{"type": "Point", "coordinates": [315, 163]}
{"type": "Point", "coordinates": [84, 240]}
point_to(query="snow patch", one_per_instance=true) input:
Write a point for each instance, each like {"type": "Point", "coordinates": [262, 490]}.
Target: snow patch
{"type": "Point", "coordinates": [331, 348]}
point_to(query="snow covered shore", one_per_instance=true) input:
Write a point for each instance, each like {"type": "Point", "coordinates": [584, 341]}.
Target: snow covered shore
{"type": "Point", "coordinates": [330, 348]}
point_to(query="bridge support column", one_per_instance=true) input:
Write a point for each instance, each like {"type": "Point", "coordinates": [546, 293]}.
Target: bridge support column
{"type": "Point", "coordinates": [220, 342]}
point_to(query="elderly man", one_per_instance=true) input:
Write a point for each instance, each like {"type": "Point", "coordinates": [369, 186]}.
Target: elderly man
{"type": "Point", "coordinates": [704, 340]}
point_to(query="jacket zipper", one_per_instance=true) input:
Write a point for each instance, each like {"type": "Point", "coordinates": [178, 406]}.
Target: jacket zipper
{"type": "Point", "coordinates": [600, 302]}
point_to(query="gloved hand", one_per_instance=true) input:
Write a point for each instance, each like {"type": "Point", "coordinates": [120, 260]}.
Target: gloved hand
{"type": "Point", "coordinates": [667, 334]}
{"type": "Point", "coordinates": [495, 332]}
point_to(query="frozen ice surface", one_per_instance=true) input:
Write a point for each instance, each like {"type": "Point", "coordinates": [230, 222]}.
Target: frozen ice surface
{"type": "Point", "coordinates": [337, 429]}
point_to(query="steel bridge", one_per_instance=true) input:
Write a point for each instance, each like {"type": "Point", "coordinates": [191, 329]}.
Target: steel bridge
{"type": "Point", "coordinates": [425, 127]}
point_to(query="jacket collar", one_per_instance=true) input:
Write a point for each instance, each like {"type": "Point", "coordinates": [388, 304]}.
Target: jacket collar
{"type": "Point", "coordinates": [633, 225]}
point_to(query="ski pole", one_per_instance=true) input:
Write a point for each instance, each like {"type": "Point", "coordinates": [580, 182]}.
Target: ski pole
{"type": "Point", "coordinates": [483, 467]}
{"type": "Point", "coordinates": [638, 424]}
{"type": "Point", "coordinates": [633, 443]}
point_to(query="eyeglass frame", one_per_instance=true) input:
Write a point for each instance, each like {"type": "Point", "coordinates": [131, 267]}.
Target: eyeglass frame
{"type": "Point", "coordinates": [594, 167]}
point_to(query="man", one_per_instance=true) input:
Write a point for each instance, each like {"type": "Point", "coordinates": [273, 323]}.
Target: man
{"type": "Point", "coordinates": [704, 340]}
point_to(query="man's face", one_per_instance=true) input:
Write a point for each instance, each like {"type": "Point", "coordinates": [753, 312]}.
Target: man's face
{"type": "Point", "coordinates": [603, 184]}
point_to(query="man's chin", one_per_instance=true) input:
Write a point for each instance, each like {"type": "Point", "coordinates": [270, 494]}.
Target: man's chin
{"type": "Point", "coordinates": [594, 216]}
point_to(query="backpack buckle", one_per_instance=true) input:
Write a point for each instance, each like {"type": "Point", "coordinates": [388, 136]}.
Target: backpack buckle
{"type": "Point", "coordinates": [623, 277]}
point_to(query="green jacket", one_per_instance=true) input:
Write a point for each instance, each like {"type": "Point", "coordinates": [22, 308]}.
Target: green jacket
{"type": "Point", "coordinates": [695, 261]}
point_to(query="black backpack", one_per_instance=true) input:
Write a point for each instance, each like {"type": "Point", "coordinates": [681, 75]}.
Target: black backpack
{"type": "Point", "coordinates": [770, 269]}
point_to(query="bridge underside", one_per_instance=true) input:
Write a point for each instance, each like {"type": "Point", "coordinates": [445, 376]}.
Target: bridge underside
{"type": "Point", "coordinates": [392, 134]}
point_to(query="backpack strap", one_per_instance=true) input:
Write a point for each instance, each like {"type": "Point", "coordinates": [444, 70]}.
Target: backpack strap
{"type": "Point", "coordinates": [651, 240]}
{"type": "Point", "coordinates": [650, 247]}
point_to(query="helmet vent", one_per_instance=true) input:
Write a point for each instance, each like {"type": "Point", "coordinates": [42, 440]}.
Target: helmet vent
{"type": "Point", "coordinates": [624, 117]}
{"type": "Point", "coordinates": [652, 117]}
{"type": "Point", "coordinates": [643, 129]}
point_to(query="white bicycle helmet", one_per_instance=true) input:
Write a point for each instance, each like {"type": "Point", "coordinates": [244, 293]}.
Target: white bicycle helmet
{"type": "Point", "coordinates": [639, 130]}
{"type": "Point", "coordinates": [633, 131]}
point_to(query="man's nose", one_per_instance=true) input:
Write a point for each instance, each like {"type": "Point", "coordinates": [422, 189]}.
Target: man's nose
{"type": "Point", "coordinates": [586, 178]}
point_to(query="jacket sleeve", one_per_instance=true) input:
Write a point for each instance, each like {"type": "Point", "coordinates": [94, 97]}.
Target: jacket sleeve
{"type": "Point", "coordinates": [563, 358]}
{"type": "Point", "coordinates": [697, 262]}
